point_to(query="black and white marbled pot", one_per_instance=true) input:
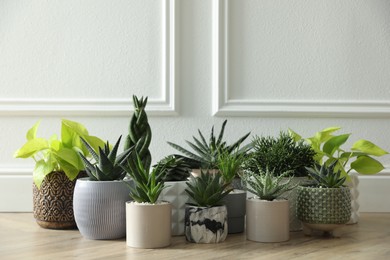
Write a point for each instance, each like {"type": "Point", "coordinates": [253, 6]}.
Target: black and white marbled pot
{"type": "Point", "coordinates": [206, 225]}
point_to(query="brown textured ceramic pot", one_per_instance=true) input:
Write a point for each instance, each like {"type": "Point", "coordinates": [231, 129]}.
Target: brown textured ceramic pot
{"type": "Point", "coordinates": [53, 202]}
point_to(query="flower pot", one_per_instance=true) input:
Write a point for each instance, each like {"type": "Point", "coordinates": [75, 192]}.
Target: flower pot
{"type": "Point", "coordinates": [353, 185]}
{"type": "Point", "coordinates": [197, 172]}
{"type": "Point", "coordinates": [206, 225]}
{"type": "Point", "coordinates": [174, 192]}
{"type": "Point", "coordinates": [53, 202]}
{"type": "Point", "coordinates": [235, 204]}
{"type": "Point", "coordinates": [148, 225]}
{"type": "Point", "coordinates": [99, 208]}
{"type": "Point", "coordinates": [323, 209]}
{"type": "Point", "coordinates": [267, 221]}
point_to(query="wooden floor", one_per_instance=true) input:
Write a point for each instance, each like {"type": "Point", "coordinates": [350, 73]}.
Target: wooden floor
{"type": "Point", "coordinates": [22, 238]}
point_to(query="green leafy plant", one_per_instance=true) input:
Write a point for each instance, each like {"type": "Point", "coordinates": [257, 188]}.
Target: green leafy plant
{"type": "Point", "coordinates": [148, 185]}
{"type": "Point", "coordinates": [281, 154]}
{"type": "Point", "coordinates": [265, 184]}
{"type": "Point", "coordinates": [327, 176]}
{"type": "Point", "coordinates": [206, 153]}
{"type": "Point", "coordinates": [107, 166]}
{"type": "Point", "coordinates": [175, 168]}
{"type": "Point", "coordinates": [230, 164]}
{"type": "Point", "coordinates": [328, 148]}
{"type": "Point", "coordinates": [140, 134]}
{"type": "Point", "coordinates": [207, 190]}
{"type": "Point", "coordinates": [55, 154]}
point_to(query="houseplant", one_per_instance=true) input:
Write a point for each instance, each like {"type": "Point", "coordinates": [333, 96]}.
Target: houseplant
{"type": "Point", "coordinates": [283, 154]}
{"type": "Point", "coordinates": [326, 203]}
{"type": "Point", "coordinates": [229, 166]}
{"type": "Point", "coordinates": [175, 174]}
{"type": "Point", "coordinates": [99, 199]}
{"type": "Point", "coordinates": [206, 216]}
{"type": "Point", "coordinates": [267, 213]}
{"type": "Point", "coordinates": [148, 221]}
{"type": "Point", "coordinates": [359, 159]}
{"type": "Point", "coordinates": [204, 153]}
{"type": "Point", "coordinates": [57, 165]}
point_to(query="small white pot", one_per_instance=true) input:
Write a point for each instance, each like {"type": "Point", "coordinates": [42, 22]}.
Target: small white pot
{"type": "Point", "coordinates": [148, 225]}
{"type": "Point", "coordinates": [267, 221]}
{"type": "Point", "coordinates": [197, 172]}
{"type": "Point", "coordinates": [174, 192]}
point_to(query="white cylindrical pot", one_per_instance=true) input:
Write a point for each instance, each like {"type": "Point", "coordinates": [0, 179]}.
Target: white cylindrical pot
{"type": "Point", "coordinates": [148, 225]}
{"type": "Point", "coordinates": [99, 208]}
{"type": "Point", "coordinates": [267, 221]}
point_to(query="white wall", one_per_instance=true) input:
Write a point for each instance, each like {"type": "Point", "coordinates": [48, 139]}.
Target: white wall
{"type": "Point", "coordinates": [265, 65]}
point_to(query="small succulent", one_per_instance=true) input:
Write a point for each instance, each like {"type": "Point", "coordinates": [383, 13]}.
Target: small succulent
{"type": "Point", "coordinates": [230, 164]}
{"type": "Point", "coordinates": [175, 168]}
{"type": "Point", "coordinates": [107, 166]}
{"type": "Point", "coordinates": [147, 185]}
{"type": "Point", "coordinates": [265, 184]}
{"type": "Point", "coordinates": [281, 154]}
{"type": "Point", "coordinates": [327, 176]}
{"type": "Point", "coordinates": [206, 153]}
{"type": "Point", "coordinates": [207, 190]}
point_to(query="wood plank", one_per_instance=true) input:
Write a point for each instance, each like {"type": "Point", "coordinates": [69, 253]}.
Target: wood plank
{"type": "Point", "coordinates": [22, 238]}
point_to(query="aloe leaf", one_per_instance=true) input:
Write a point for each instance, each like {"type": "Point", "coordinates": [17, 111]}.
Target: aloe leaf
{"type": "Point", "coordinates": [186, 152]}
{"type": "Point", "coordinates": [366, 165]}
{"type": "Point", "coordinates": [220, 136]}
{"type": "Point", "coordinates": [334, 143]}
{"type": "Point", "coordinates": [368, 148]}
{"type": "Point", "coordinates": [90, 149]}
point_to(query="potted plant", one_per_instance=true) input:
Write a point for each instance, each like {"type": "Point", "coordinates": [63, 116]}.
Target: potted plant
{"type": "Point", "coordinates": [267, 213]}
{"type": "Point", "coordinates": [283, 154]}
{"type": "Point", "coordinates": [326, 204]}
{"type": "Point", "coordinates": [359, 159]}
{"type": "Point", "coordinates": [148, 220]}
{"type": "Point", "coordinates": [205, 154]}
{"type": "Point", "coordinates": [175, 174]}
{"type": "Point", "coordinates": [206, 216]}
{"type": "Point", "coordinates": [99, 199]}
{"type": "Point", "coordinates": [229, 165]}
{"type": "Point", "coordinates": [57, 165]}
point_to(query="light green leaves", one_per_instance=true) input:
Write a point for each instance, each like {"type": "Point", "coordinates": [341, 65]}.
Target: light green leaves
{"type": "Point", "coordinates": [368, 147]}
{"type": "Point", "coordinates": [334, 143]}
{"type": "Point", "coordinates": [366, 165]}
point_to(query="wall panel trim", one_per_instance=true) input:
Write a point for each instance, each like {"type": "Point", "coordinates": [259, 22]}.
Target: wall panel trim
{"type": "Point", "coordinates": [223, 105]}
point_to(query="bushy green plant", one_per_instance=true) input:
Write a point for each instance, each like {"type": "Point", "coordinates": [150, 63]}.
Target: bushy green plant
{"type": "Point", "coordinates": [327, 176]}
{"type": "Point", "coordinates": [281, 154]}
{"type": "Point", "coordinates": [230, 164]}
{"type": "Point", "coordinates": [328, 148]}
{"type": "Point", "coordinates": [147, 185]}
{"type": "Point", "coordinates": [140, 134]}
{"type": "Point", "coordinates": [56, 154]}
{"type": "Point", "coordinates": [206, 153]}
{"type": "Point", "coordinates": [107, 166]}
{"type": "Point", "coordinates": [207, 190]}
{"type": "Point", "coordinates": [175, 168]}
{"type": "Point", "coordinates": [264, 184]}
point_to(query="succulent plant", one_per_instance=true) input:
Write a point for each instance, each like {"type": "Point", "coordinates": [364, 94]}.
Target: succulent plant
{"type": "Point", "coordinates": [206, 153]}
{"type": "Point", "coordinates": [107, 166]}
{"type": "Point", "coordinates": [282, 154]}
{"type": "Point", "coordinates": [207, 190]}
{"type": "Point", "coordinates": [140, 134]}
{"type": "Point", "coordinates": [230, 164]}
{"type": "Point", "coordinates": [327, 176]}
{"type": "Point", "coordinates": [147, 185]}
{"type": "Point", "coordinates": [265, 184]}
{"type": "Point", "coordinates": [175, 168]}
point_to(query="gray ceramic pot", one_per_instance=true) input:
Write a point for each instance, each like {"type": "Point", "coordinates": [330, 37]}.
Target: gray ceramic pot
{"type": "Point", "coordinates": [99, 208]}
{"type": "Point", "coordinates": [235, 202]}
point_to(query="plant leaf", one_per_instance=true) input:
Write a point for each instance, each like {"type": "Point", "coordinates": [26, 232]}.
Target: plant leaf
{"type": "Point", "coordinates": [41, 169]}
{"type": "Point", "coordinates": [31, 147]}
{"type": "Point", "coordinates": [368, 148]}
{"type": "Point", "coordinates": [334, 143]}
{"type": "Point", "coordinates": [32, 132]}
{"type": "Point", "coordinates": [366, 165]}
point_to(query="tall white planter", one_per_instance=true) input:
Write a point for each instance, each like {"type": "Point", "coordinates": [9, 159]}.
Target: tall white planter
{"type": "Point", "coordinates": [267, 221]}
{"type": "Point", "coordinates": [99, 208]}
{"type": "Point", "coordinates": [353, 185]}
{"type": "Point", "coordinates": [174, 192]}
{"type": "Point", "coordinates": [148, 225]}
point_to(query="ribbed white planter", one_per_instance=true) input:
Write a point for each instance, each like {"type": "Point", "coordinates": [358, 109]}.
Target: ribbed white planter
{"type": "Point", "coordinates": [148, 225]}
{"type": "Point", "coordinates": [267, 221]}
{"type": "Point", "coordinates": [174, 192]}
{"type": "Point", "coordinates": [99, 208]}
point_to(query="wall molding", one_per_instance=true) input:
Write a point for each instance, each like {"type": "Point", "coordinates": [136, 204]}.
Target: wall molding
{"type": "Point", "coordinates": [223, 105]}
{"type": "Point", "coordinates": [166, 105]}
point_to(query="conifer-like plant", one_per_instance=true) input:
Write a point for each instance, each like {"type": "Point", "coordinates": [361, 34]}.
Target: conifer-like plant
{"type": "Point", "coordinates": [107, 166]}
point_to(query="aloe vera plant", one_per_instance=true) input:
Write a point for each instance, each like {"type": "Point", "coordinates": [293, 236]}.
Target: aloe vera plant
{"type": "Point", "coordinates": [140, 134]}
{"type": "Point", "coordinates": [206, 153]}
{"type": "Point", "coordinates": [107, 166]}
{"type": "Point", "coordinates": [230, 164]}
{"type": "Point", "coordinates": [207, 190]}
